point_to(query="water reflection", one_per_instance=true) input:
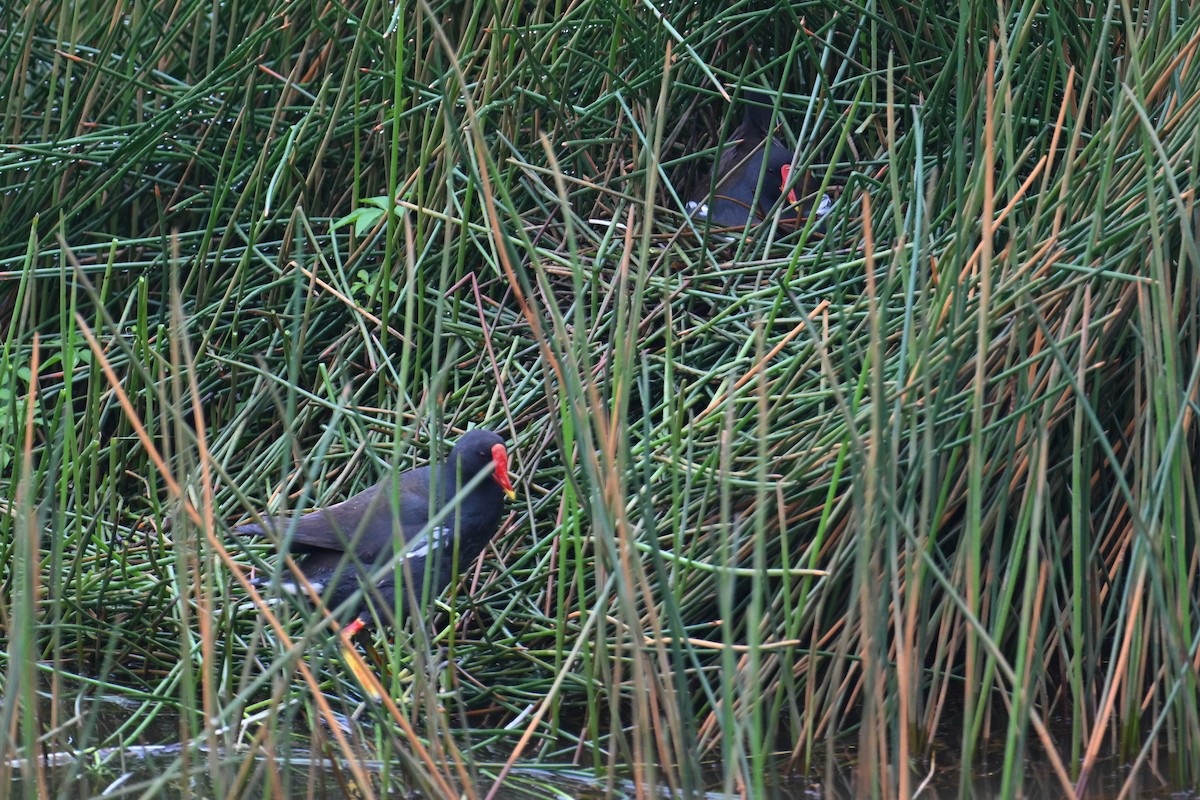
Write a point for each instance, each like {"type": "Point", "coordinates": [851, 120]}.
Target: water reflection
{"type": "Point", "coordinates": [297, 765]}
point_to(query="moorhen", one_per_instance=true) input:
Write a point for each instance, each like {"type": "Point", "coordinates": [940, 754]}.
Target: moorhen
{"type": "Point", "coordinates": [339, 548]}
{"type": "Point", "coordinates": [740, 168]}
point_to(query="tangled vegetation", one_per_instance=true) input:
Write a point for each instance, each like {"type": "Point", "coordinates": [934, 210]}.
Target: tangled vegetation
{"type": "Point", "coordinates": [924, 476]}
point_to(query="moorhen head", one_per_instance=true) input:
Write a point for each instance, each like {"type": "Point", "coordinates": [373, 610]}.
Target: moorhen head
{"type": "Point", "coordinates": [740, 168]}
{"type": "Point", "coordinates": [352, 545]}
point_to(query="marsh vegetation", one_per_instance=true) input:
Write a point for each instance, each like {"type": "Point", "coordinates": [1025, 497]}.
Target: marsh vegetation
{"type": "Point", "coordinates": [919, 485]}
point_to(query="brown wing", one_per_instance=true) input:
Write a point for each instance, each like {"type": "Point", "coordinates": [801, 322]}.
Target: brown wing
{"type": "Point", "coordinates": [364, 523]}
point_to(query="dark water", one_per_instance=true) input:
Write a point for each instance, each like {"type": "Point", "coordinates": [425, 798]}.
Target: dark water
{"type": "Point", "coordinates": [163, 768]}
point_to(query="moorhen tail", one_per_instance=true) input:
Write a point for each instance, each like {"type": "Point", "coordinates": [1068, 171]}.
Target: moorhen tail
{"type": "Point", "coordinates": [740, 168]}
{"type": "Point", "coordinates": [339, 548]}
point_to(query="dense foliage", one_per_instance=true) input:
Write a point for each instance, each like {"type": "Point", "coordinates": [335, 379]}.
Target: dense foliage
{"type": "Point", "coordinates": [926, 475]}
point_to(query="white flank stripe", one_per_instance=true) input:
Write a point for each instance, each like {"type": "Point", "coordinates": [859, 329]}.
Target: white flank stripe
{"type": "Point", "coordinates": [431, 541]}
{"type": "Point", "coordinates": [291, 587]}
{"type": "Point", "coordinates": [251, 605]}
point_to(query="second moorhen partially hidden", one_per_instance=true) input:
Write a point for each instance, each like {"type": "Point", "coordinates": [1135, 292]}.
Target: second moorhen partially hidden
{"type": "Point", "coordinates": [740, 168]}
{"type": "Point", "coordinates": [351, 545]}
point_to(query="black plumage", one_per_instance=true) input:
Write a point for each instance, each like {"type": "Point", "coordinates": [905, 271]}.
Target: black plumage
{"type": "Point", "coordinates": [739, 170]}
{"type": "Point", "coordinates": [351, 545]}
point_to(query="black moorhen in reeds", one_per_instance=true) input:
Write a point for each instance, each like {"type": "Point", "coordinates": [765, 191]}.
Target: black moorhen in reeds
{"type": "Point", "coordinates": [740, 168]}
{"type": "Point", "coordinates": [340, 548]}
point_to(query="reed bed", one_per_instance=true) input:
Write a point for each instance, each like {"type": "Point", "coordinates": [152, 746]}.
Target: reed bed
{"type": "Point", "coordinates": [919, 485]}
